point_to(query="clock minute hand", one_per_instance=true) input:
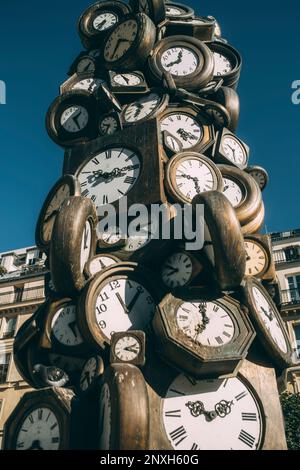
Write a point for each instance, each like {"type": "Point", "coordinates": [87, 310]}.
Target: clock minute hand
{"type": "Point", "coordinates": [270, 317]}
{"type": "Point", "coordinates": [125, 308]}
{"type": "Point", "coordinates": [133, 301]}
{"type": "Point", "coordinates": [132, 348]}
{"type": "Point", "coordinates": [118, 44]}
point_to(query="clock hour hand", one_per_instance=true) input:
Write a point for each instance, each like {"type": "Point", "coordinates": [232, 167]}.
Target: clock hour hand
{"type": "Point", "coordinates": [186, 135]}
{"type": "Point", "coordinates": [118, 44]}
{"type": "Point", "coordinates": [134, 301]}
{"type": "Point", "coordinates": [132, 348]}
{"type": "Point", "coordinates": [73, 327]}
{"type": "Point", "coordinates": [202, 310]}
{"type": "Point", "coordinates": [125, 308]}
{"type": "Point", "coordinates": [76, 117]}
{"type": "Point", "coordinates": [172, 269]}
{"type": "Point", "coordinates": [139, 108]}
{"type": "Point", "coordinates": [125, 78]}
{"type": "Point", "coordinates": [99, 26]}
{"type": "Point", "coordinates": [268, 315]}
{"type": "Point", "coordinates": [177, 61]}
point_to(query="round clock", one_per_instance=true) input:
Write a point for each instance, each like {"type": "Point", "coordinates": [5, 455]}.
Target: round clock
{"type": "Point", "coordinates": [98, 263]}
{"type": "Point", "coordinates": [218, 114]}
{"type": "Point", "coordinates": [220, 414]}
{"type": "Point", "coordinates": [108, 175]}
{"type": "Point", "coordinates": [260, 175]}
{"type": "Point", "coordinates": [97, 20]}
{"type": "Point", "coordinates": [179, 269]}
{"type": "Point", "coordinates": [268, 322]}
{"type": "Point", "coordinates": [258, 257]}
{"type": "Point", "coordinates": [146, 107]}
{"type": "Point", "coordinates": [109, 124]}
{"type": "Point", "coordinates": [129, 43]}
{"type": "Point", "coordinates": [70, 119]}
{"type": "Point", "coordinates": [87, 64]}
{"type": "Point", "coordinates": [229, 149]}
{"type": "Point", "coordinates": [65, 187]}
{"type": "Point", "coordinates": [121, 298]}
{"type": "Point", "coordinates": [86, 81]}
{"type": "Point", "coordinates": [155, 9]}
{"type": "Point", "coordinates": [128, 347]}
{"type": "Point", "coordinates": [227, 63]}
{"type": "Point", "coordinates": [91, 372]}
{"type": "Point", "coordinates": [178, 11]}
{"type": "Point", "coordinates": [188, 174]}
{"type": "Point", "coordinates": [189, 61]}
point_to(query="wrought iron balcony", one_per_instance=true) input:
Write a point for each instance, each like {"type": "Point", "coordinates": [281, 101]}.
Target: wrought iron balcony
{"type": "Point", "coordinates": [290, 297]}
{"type": "Point", "coordinates": [287, 255]}
{"type": "Point", "coordinates": [20, 296]}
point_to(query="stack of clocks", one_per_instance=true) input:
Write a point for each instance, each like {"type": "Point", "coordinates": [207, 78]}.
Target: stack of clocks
{"type": "Point", "coordinates": [142, 343]}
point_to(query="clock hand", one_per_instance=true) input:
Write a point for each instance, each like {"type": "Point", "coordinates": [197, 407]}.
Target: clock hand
{"type": "Point", "coordinates": [202, 310]}
{"type": "Point", "coordinates": [132, 348]}
{"type": "Point", "coordinates": [125, 308]}
{"type": "Point", "coordinates": [73, 327]}
{"type": "Point", "coordinates": [171, 268]}
{"type": "Point", "coordinates": [134, 301]}
{"type": "Point", "coordinates": [75, 119]}
{"type": "Point", "coordinates": [99, 26]}
{"type": "Point", "coordinates": [270, 317]}
{"type": "Point", "coordinates": [139, 108]}
{"type": "Point", "coordinates": [125, 78]}
{"type": "Point", "coordinates": [177, 61]}
{"type": "Point", "coordinates": [118, 44]}
{"type": "Point", "coordinates": [185, 135]}
{"type": "Point", "coordinates": [197, 409]}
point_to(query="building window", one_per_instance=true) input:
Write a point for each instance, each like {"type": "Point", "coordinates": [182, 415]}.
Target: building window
{"type": "Point", "coordinates": [19, 293]}
{"type": "Point", "coordinates": [294, 288]}
{"type": "Point", "coordinates": [4, 365]}
{"type": "Point", "coordinates": [9, 327]}
{"type": "Point", "coordinates": [297, 336]}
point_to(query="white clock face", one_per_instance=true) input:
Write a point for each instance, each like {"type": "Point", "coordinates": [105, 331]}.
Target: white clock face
{"type": "Point", "coordinates": [173, 11]}
{"type": "Point", "coordinates": [234, 151]}
{"type": "Point", "coordinates": [233, 192]}
{"type": "Point", "coordinates": [88, 84]}
{"type": "Point", "coordinates": [256, 258]}
{"type": "Point", "coordinates": [99, 263]}
{"type": "Point", "coordinates": [186, 130]}
{"type": "Point", "coordinates": [222, 64]}
{"type": "Point", "coordinates": [127, 79]}
{"type": "Point", "coordinates": [179, 61]}
{"type": "Point", "coordinates": [269, 318]}
{"type": "Point", "coordinates": [177, 270]}
{"type": "Point", "coordinates": [52, 210]}
{"type": "Point", "coordinates": [86, 65]}
{"type": "Point", "coordinates": [39, 431]}
{"type": "Point", "coordinates": [212, 415]}
{"type": "Point", "coordinates": [259, 177]}
{"type": "Point", "coordinates": [112, 235]}
{"type": "Point", "coordinates": [127, 348]}
{"type": "Point", "coordinates": [86, 244]}
{"type": "Point", "coordinates": [141, 108]}
{"type": "Point", "coordinates": [120, 40]}
{"type": "Point", "coordinates": [64, 326]}
{"type": "Point", "coordinates": [109, 125]}
{"type": "Point", "coordinates": [193, 177]}
{"type": "Point", "coordinates": [88, 373]}
{"type": "Point", "coordinates": [105, 418]}
{"type": "Point", "coordinates": [123, 304]}
{"type": "Point", "coordinates": [74, 119]}
{"type": "Point", "coordinates": [109, 175]}
{"type": "Point", "coordinates": [208, 323]}
{"type": "Point", "coordinates": [105, 21]}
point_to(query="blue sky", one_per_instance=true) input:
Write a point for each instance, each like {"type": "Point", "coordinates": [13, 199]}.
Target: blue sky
{"type": "Point", "coordinates": [38, 42]}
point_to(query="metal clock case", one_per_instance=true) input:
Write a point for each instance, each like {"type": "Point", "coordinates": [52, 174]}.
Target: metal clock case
{"type": "Point", "coordinates": [259, 174]}
{"type": "Point", "coordinates": [110, 123]}
{"type": "Point", "coordinates": [90, 376]}
{"type": "Point", "coordinates": [188, 60]}
{"type": "Point", "coordinates": [228, 63]}
{"type": "Point", "coordinates": [87, 81]}
{"type": "Point", "coordinates": [267, 321]}
{"type": "Point", "coordinates": [155, 9]}
{"type": "Point", "coordinates": [180, 268]}
{"type": "Point", "coordinates": [229, 98]}
{"type": "Point", "coordinates": [145, 108]}
{"type": "Point", "coordinates": [73, 244]}
{"type": "Point", "coordinates": [97, 20]}
{"type": "Point", "coordinates": [176, 10]}
{"type": "Point", "coordinates": [229, 149]}
{"type": "Point", "coordinates": [98, 263]}
{"type": "Point", "coordinates": [188, 174]}
{"type": "Point", "coordinates": [259, 260]}
{"type": "Point", "coordinates": [40, 421]}
{"type": "Point", "coordinates": [86, 62]}
{"type": "Point", "coordinates": [199, 27]}
{"type": "Point", "coordinates": [124, 409]}
{"type": "Point", "coordinates": [224, 242]}
{"type": "Point", "coordinates": [203, 335]}
{"type": "Point", "coordinates": [127, 85]}
{"type": "Point", "coordinates": [136, 34]}
{"type": "Point", "coordinates": [128, 348]}
{"type": "Point", "coordinates": [120, 298]}
{"type": "Point", "coordinates": [70, 119]}
{"type": "Point", "coordinates": [184, 128]}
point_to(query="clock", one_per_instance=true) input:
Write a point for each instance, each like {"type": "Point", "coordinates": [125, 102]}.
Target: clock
{"type": "Point", "coordinates": [71, 117]}
{"type": "Point", "coordinates": [260, 175]}
{"type": "Point", "coordinates": [188, 174]}
{"type": "Point", "coordinates": [227, 63]}
{"type": "Point", "coordinates": [98, 19]}
{"type": "Point", "coordinates": [199, 27]}
{"type": "Point", "coordinates": [122, 425]}
{"type": "Point", "coordinates": [155, 9]}
{"type": "Point", "coordinates": [86, 63]}
{"type": "Point", "coordinates": [127, 83]}
{"type": "Point", "coordinates": [189, 61]}
{"type": "Point", "coordinates": [85, 81]}
{"type": "Point", "coordinates": [179, 269]}
{"type": "Point", "coordinates": [201, 333]}
{"type": "Point", "coordinates": [40, 421]}
{"type": "Point", "coordinates": [65, 187]}
{"type": "Point", "coordinates": [91, 374]}
{"type": "Point", "coordinates": [224, 242]}
{"type": "Point", "coordinates": [73, 244]}
{"type": "Point", "coordinates": [229, 98]}
{"type": "Point", "coordinates": [267, 321]}
{"type": "Point", "coordinates": [111, 238]}
{"type": "Point", "coordinates": [178, 11]}
{"type": "Point", "coordinates": [218, 114]}
{"type": "Point", "coordinates": [128, 347]}
{"type": "Point", "coordinates": [110, 123]}
{"type": "Point", "coordinates": [129, 44]}
{"type": "Point", "coordinates": [98, 263]}
{"type": "Point", "coordinates": [184, 128]}
{"type": "Point", "coordinates": [107, 100]}
{"type": "Point", "coordinates": [123, 297]}
{"type": "Point", "coordinates": [259, 257]}
{"type": "Point", "coordinates": [229, 149]}
{"type": "Point", "coordinates": [145, 108]}
{"type": "Point", "coordinates": [242, 192]}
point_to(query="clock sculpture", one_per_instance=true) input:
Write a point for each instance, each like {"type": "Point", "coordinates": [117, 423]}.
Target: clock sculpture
{"type": "Point", "coordinates": [153, 345]}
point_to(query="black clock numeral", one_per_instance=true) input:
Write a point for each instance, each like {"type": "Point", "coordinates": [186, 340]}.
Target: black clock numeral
{"type": "Point", "coordinates": [40, 415]}
{"type": "Point", "coordinates": [93, 198]}
{"type": "Point", "coordinates": [226, 334]}
{"type": "Point", "coordinates": [241, 395]}
{"type": "Point", "coordinates": [121, 192]}
{"type": "Point", "coordinates": [55, 440]}
{"type": "Point", "coordinates": [178, 435]}
{"type": "Point", "coordinates": [96, 161]}
{"type": "Point", "coordinates": [20, 445]}
{"type": "Point", "coordinates": [108, 154]}
{"type": "Point", "coordinates": [85, 193]}
{"type": "Point", "coordinates": [173, 414]}
{"type": "Point", "coordinates": [104, 297]}
{"type": "Point", "coordinates": [105, 199]}
{"type": "Point", "coordinates": [246, 438]}
{"type": "Point", "coordinates": [53, 426]}
{"type": "Point", "coordinates": [249, 416]}
{"type": "Point", "coordinates": [101, 309]}
{"type": "Point", "coordinates": [216, 308]}
{"type": "Point", "coordinates": [84, 184]}
{"type": "Point", "coordinates": [48, 417]}
{"type": "Point", "coordinates": [219, 340]}
{"type": "Point", "coordinates": [195, 447]}
{"type": "Point", "coordinates": [130, 180]}
{"type": "Point", "coordinates": [30, 417]}
{"type": "Point", "coordinates": [85, 237]}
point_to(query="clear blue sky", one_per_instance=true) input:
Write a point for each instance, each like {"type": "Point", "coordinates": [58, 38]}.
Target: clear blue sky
{"type": "Point", "coordinates": [38, 42]}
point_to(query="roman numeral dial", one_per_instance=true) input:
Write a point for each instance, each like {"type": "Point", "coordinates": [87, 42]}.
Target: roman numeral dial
{"type": "Point", "coordinates": [39, 430]}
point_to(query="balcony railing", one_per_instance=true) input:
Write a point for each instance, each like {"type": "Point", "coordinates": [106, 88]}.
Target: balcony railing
{"type": "Point", "coordinates": [26, 295]}
{"type": "Point", "coordinates": [25, 271]}
{"type": "Point", "coordinates": [290, 297]}
{"type": "Point", "coordinates": [290, 255]}
{"type": "Point", "coordinates": [284, 235]}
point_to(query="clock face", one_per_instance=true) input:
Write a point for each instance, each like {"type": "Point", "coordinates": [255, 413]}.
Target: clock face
{"type": "Point", "coordinates": [39, 430]}
{"type": "Point", "coordinates": [222, 64]}
{"type": "Point", "coordinates": [120, 40]}
{"type": "Point", "coordinates": [184, 127]}
{"type": "Point", "coordinates": [212, 415]}
{"type": "Point", "coordinates": [177, 270]}
{"type": "Point", "coordinates": [108, 125]}
{"type": "Point", "coordinates": [234, 150]}
{"type": "Point", "coordinates": [127, 79]}
{"type": "Point", "coordinates": [64, 326]}
{"type": "Point", "coordinates": [260, 176]}
{"type": "Point", "coordinates": [208, 323]}
{"type": "Point", "coordinates": [109, 175]}
{"type": "Point", "coordinates": [86, 244]}
{"type": "Point", "coordinates": [269, 317]}
{"type": "Point", "coordinates": [99, 263]}
{"type": "Point", "coordinates": [89, 372]}
{"type": "Point", "coordinates": [179, 61]}
{"type": "Point", "coordinates": [256, 258]}
{"type": "Point", "coordinates": [86, 65]}
{"type": "Point", "coordinates": [193, 177]}
{"type": "Point", "coordinates": [123, 304]}
{"type": "Point", "coordinates": [233, 192]}
{"type": "Point", "coordinates": [74, 119]}
{"type": "Point", "coordinates": [127, 348]}
{"type": "Point", "coordinates": [112, 235]}
{"type": "Point", "coordinates": [52, 210]}
{"type": "Point", "coordinates": [105, 418]}
{"type": "Point", "coordinates": [142, 108]}
{"type": "Point", "coordinates": [105, 21]}
{"type": "Point", "coordinates": [88, 84]}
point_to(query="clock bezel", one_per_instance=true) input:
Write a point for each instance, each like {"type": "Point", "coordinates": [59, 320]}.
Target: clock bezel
{"type": "Point", "coordinates": [140, 337]}
{"type": "Point", "coordinates": [218, 152]}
